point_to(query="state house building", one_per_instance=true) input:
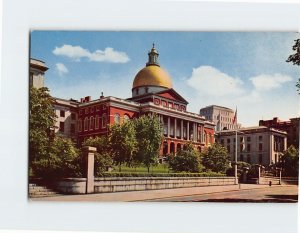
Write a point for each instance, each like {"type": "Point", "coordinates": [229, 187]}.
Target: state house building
{"type": "Point", "coordinates": [152, 93]}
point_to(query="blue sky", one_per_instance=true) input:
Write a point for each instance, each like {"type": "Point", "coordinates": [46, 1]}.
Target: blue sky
{"type": "Point", "coordinates": [243, 69]}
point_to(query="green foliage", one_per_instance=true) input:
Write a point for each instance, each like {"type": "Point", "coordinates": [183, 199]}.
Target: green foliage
{"type": "Point", "coordinates": [240, 167]}
{"type": "Point", "coordinates": [41, 120]}
{"type": "Point", "coordinates": [216, 158]}
{"type": "Point", "coordinates": [123, 142]}
{"type": "Point", "coordinates": [289, 162]}
{"type": "Point", "coordinates": [182, 174]}
{"type": "Point", "coordinates": [103, 157]}
{"type": "Point", "coordinates": [149, 137]}
{"type": "Point", "coordinates": [186, 160]}
{"type": "Point", "coordinates": [61, 161]}
{"type": "Point", "coordinates": [295, 59]}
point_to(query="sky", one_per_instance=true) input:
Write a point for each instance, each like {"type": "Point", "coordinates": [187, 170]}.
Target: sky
{"type": "Point", "coordinates": [246, 71]}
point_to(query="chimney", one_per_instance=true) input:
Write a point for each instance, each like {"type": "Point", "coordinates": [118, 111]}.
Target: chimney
{"type": "Point", "coordinates": [87, 98]}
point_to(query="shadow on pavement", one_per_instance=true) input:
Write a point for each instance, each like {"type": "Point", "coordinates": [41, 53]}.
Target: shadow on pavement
{"type": "Point", "coordinates": [271, 199]}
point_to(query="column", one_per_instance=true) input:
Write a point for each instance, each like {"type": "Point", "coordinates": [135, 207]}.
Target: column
{"type": "Point", "coordinates": [88, 153]}
{"type": "Point", "coordinates": [196, 132]}
{"type": "Point", "coordinates": [181, 130]}
{"type": "Point", "coordinates": [175, 127]}
{"type": "Point", "coordinates": [188, 131]}
{"type": "Point", "coordinates": [168, 135]}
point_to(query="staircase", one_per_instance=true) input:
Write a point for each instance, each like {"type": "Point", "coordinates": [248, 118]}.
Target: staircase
{"type": "Point", "coordinates": [268, 177]}
{"type": "Point", "coordinates": [40, 191]}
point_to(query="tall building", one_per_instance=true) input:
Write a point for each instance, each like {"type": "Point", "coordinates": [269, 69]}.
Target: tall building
{"type": "Point", "coordinates": [291, 127]}
{"type": "Point", "coordinates": [152, 93]}
{"type": "Point", "coordinates": [255, 145]}
{"type": "Point", "coordinates": [223, 118]}
{"type": "Point", "coordinates": [37, 70]}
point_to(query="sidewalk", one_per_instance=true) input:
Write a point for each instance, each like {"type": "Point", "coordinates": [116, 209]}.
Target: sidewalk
{"type": "Point", "coordinates": [151, 194]}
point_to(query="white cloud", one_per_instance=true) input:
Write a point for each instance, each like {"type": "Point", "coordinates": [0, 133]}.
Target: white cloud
{"type": "Point", "coordinates": [77, 52]}
{"type": "Point", "coordinates": [61, 69]}
{"type": "Point", "coordinates": [266, 82]}
{"type": "Point", "coordinates": [208, 80]}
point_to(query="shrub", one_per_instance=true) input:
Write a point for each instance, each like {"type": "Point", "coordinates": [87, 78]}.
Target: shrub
{"type": "Point", "coordinates": [185, 161]}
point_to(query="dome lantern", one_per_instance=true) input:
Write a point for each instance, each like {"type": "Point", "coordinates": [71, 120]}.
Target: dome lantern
{"type": "Point", "coordinates": [153, 57]}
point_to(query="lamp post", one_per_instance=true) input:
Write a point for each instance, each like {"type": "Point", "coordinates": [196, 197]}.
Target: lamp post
{"type": "Point", "coordinates": [235, 160]}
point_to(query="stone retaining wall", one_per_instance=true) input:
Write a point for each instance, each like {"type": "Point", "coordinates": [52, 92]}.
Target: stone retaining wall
{"type": "Point", "coordinates": [119, 184]}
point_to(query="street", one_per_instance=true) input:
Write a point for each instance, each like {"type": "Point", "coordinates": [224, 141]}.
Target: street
{"type": "Point", "coordinates": [228, 193]}
{"type": "Point", "coordinates": [287, 194]}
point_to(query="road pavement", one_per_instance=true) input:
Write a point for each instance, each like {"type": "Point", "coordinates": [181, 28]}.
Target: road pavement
{"type": "Point", "coordinates": [228, 193]}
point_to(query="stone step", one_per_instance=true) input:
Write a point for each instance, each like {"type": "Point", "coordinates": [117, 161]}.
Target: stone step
{"type": "Point", "coordinates": [40, 191]}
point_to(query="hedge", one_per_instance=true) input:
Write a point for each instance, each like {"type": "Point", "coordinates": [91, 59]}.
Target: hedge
{"type": "Point", "coordinates": [125, 174]}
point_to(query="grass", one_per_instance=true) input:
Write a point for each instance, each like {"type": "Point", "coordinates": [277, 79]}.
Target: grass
{"type": "Point", "coordinates": [160, 168]}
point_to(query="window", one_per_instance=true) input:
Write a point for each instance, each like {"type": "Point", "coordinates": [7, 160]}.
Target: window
{"type": "Point", "coordinates": [80, 112]}
{"type": "Point", "coordinates": [146, 89]}
{"type": "Point", "coordinates": [222, 141]}
{"type": "Point", "coordinates": [62, 113]}
{"type": "Point", "coordinates": [61, 126]}
{"type": "Point", "coordinates": [248, 147]}
{"type": "Point", "coordinates": [241, 157]}
{"type": "Point", "coordinates": [228, 140]}
{"type": "Point", "coordinates": [92, 109]}
{"type": "Point", "coordinates": [260, 138]}
{"type": "Point", "coordinates": [86, 124]}
{"type": "Point", "coordinates": [104, 121]}
{"type": "Point", "coordinates": [97, 122]}
{"type": "Point", "coordinates": [79, 125]}
{"type": "Point", "coordinates": [117, 118]}
{"type": "Point", "coordinates": [241, 139]}
{"type": "Point", "coordinates": [228, 148]}
{"type": "Point", "coordinates": [248, 139]}
{"type": "Point", "coordinates": [260, 147]}
{"type": "Point", "coordinates": [126, 118]}
{"type": "Point", "coordinates": [72, 128]}
{"type": "Point", "coordinates": [170, 105]}
{"type": "Point", "coordinates": [248, 159]}
{"type": "Point", "coordinates": [233, 139]}
{"type": "Point", "coordinates": [91, 123]}
{"type": "Point", "coordinates": [86, 111]}
{"type": "Point", "coordinates": [73, 116]}
{"type": "Point", "coordinates": [260, 158]}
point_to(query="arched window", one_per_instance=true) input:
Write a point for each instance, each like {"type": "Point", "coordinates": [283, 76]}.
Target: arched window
{"type": "Point", "coordinates": [104, 121]}
{"type": "Point", "coordinates": [97, 122]}
{"type": "Point", "coordinates": [126, 118]}
{"type": "Point", "coordinates": [117, 118]}
{"type": "Point", "coordinates": [86, 124]}
{"type": "Point", "coordinates": [92, 123]}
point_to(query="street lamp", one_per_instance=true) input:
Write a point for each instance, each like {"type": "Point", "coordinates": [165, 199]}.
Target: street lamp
{"type": "Point", "coordinates": [235, 158]}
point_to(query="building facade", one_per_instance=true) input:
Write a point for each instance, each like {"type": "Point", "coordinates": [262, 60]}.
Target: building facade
{"type": "Point", "coordinates": [255, 145]}
{"type": "Point", "coordinates": [291, 127]}
{"type": "Point", "coordinates": [223, 118]}
{"type": "Point", "coordinates": [152, 94]}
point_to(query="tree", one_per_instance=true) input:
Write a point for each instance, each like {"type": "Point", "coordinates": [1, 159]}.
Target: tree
{"type": "Point", "coordinates": [123, 142]}
{"type": "Point", "coordinates": [62, 160]}
{"type": "Point", "coordinates": [295, 59]}
{"type": "Point", "coordinates": [41, 121]}
{"type": "Point", "coordinates": [216, 158]}
{"type": "Point", "coordinates": [186, 160]}
{"type": "Point", "coordinates": [289, 162]}
{"type": "Point", "coordinates": [149, 137]}
{"type": "Point", "coordinates": [103, 157]}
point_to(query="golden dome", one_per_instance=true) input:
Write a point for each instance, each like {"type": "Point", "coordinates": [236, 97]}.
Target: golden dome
{"type": "Point", "coordinates": [152, 75]}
